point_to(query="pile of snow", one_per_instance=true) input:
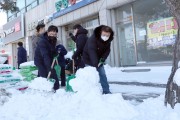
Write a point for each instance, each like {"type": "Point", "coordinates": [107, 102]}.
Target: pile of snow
{"type": "Point", "coordinates": [69, 54]}
{"type": "Point", "coordinates": [154, 109]}
{"type": "Point", "coordinates": [30, 63]}
{"type": "Point", "coordinates": [41, 84]}
{"type": "Point", "coordinates": [86, 81]}
{"type": "Point", "coordinates": [86, 104]}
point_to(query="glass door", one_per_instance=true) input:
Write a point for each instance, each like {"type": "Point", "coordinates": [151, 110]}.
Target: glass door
{"type": "Point", "coordinates": [125, 32]}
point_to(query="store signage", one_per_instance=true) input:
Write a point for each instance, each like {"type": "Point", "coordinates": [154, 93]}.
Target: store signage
{"type": "Point", "coordinates": [162, 32]}
{"type": "Point", "coordinates": [33, 25]}
{"type": "Point", "coordinates": [9, 31]}
{"type": "Point", "coordinates": [66, 6]}
{"type": "Point", "coordinates": [15, 28]}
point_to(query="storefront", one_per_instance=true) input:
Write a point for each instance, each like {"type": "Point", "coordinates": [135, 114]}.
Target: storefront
{"type": "Point", "coordinates": [144, 29]}
{"type": "Point", "coordinates": [146, 32]}
{"type": "Point", "coordinates": [13, 33]}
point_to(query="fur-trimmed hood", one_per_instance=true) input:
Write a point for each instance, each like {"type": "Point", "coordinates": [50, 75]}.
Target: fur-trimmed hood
{"type": "Point", "coordinates": [97, 33]}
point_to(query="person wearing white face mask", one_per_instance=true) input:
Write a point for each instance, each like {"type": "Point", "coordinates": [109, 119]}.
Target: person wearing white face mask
{"type": "Point", "coordinates": [97, 50]}
{"type": "Point", "coordinates": [105, 38]}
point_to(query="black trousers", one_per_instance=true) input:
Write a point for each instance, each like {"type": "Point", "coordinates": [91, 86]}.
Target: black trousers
{"type": "Point", "coordinates": [63, 76]}
{"type": "Point", "coordinates": [79, 63]}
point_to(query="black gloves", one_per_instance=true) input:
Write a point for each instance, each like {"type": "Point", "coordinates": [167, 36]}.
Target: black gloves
{"type": "Point", "coordinates": [71, 35]}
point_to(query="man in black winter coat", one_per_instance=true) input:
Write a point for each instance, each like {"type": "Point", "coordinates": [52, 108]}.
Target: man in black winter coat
{"type": "Point", "coordinates": [44, 54]}
{"type": "Point", "coordinates": [97, 50]}
{"type": "Point", "coordinates": [22, 54]}
{"type": "Point", "coordinates": [61, 60]}
{"type": "Point", "coordinates": [80, 38]}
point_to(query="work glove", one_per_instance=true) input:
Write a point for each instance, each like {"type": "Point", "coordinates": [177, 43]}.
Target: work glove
{"type": "Point", "coordinates": [101, 62]}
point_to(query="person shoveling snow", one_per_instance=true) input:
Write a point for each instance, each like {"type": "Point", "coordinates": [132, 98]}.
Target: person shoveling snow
{"type": "Point", "coordinates": [97, 50]}
{"type": "Point", "coordinates": [45, 53]}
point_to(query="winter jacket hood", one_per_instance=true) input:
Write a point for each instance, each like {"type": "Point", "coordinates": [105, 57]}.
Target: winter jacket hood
{"type": "Point", "coordinates": [81, 31]}
{"type": "Point", "coordinates": [97, 33]}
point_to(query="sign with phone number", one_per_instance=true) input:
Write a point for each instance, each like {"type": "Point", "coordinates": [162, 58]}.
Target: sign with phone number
{"type": "Point", "coordinates": [162, 33]}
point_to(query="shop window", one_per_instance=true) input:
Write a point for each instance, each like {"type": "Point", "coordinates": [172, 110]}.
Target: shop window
{"type": "Point", "coordinates": [155, 30]}
{"type": "Point", "coordinates": [90, 25]}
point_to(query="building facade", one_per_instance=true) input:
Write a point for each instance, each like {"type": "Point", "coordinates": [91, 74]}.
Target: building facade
{"type": "Point", "coordinates": [145, 31]}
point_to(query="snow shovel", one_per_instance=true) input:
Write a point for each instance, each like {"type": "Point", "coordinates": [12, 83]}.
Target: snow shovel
{"type": "Point", "coordinates": [56, 67]}
{"type": "Point", "coordinates": [70, 77]}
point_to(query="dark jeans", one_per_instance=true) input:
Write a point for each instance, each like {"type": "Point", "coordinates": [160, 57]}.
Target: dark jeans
{"type": "Point", "coordinates": [63, 76]}
{"type": "Point", "coordinates": [103, 79]}
{"type": "Point", "coordinates": [42, 71]}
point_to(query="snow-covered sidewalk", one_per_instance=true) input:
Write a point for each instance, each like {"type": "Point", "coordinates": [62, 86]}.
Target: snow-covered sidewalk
{"type": "Point", "coordinates": [157, 75]}
{"type": "Point", "coordinates": [87, 103]}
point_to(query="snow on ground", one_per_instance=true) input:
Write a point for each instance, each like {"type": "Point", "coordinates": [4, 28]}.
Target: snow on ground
{"type": "Point", "coordinates": [86, 104]}
{"type": "Point", "coordinates": [30, 63]}
{"type": "Point", "coordinates": [41, 84]}
{"type": "Point", "coordinates": [157, 75]}
{"type": "Point", "coordinates": [130, 89]}
{"type": "Point", "coordinates": [154, 109]}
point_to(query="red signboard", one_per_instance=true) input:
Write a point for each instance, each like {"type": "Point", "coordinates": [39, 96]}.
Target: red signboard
{"type": "Point", "coordinates": [17, 27]}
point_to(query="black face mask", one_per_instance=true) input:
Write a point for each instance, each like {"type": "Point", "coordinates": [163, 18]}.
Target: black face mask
{"type": "Point", "coordinates": [52, 40]}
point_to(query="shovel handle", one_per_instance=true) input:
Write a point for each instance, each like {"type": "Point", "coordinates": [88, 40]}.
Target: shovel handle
{"type": "Point", "coordinates": [49, 74]}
